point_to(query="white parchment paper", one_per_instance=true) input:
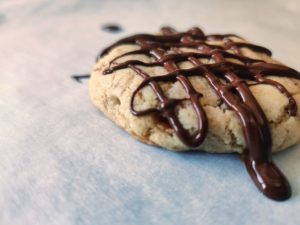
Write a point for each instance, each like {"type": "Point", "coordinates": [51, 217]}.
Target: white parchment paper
{"type": "Point", "coordinates": [63, 162]}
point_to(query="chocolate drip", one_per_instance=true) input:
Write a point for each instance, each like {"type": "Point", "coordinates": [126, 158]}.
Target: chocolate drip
{"type": "Point", "coordinates": [78, 78]}
{"type": "Point", "coordinates": [234, 92]}
{"type": "Point", "coordinates": [112, 28]}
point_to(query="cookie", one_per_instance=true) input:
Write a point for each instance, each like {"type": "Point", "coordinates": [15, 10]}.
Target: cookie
{"type": "Point", "coordinates": [191, 91]}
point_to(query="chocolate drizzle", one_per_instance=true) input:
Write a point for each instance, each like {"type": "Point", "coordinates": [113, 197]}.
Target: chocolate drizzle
{"type": "Point", "coordinates": [112, 28]}
{"type": "Point", "coordinates": [234, 92]}
{"type": "Point", "coordinates": [80, 77]}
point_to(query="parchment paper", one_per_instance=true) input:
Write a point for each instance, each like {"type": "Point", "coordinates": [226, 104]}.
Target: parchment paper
{"type": "Point", "coordinates": [63, 162]}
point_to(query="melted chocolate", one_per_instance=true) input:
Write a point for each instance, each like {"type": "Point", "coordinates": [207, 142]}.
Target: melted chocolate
{"type": "Point", "coordinates": [165, 51]}
{"type": "Point", "coordinates": [112, 28]}
{"type": "Point", "coordinates": [78, 78]}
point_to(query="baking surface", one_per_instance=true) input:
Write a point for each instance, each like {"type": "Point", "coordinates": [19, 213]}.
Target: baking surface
{"type": "Point", "coordinates": [63, 162]}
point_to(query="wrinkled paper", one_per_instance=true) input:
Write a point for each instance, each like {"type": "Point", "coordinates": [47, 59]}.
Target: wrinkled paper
{"type": "Point", "coordinates": [64, 162]}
